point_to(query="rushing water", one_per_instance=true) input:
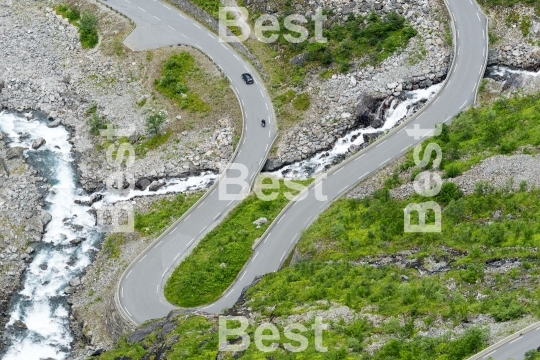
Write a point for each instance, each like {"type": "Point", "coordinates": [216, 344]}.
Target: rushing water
{"type": "Point", "coordinates": [506, 72]}
{"type": "Point", "coordinates": [321, 161]}
{"type": "Point", "coordinates": [41, 304]}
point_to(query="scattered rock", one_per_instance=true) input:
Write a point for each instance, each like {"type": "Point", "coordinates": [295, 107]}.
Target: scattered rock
{"type": "Point", "coordinates": [39, 142]}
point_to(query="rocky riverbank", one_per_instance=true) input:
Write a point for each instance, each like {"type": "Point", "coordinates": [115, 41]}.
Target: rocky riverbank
{"type": "Point", "coordinates": [513, 34]}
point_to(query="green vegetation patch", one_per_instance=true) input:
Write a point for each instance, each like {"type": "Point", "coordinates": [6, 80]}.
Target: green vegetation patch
{"type": "Point", "coordinates": [193, 338]}
{"type": "Point", "coordinates": [371, 38]}
{"type": "Point", "coordinates": [173, 82]}
{"type": "Point", "coordinates": [86, 21]}
{"type": "Point", "coordinates": [479, 133]}
{"type": "Point", "coordinates": [164, 212]}
{"type": "Point", "coordinates": [214, 264]}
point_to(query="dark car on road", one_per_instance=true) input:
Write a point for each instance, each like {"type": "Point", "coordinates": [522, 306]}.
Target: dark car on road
{"type": "Point", "coordinates": [247, 78]}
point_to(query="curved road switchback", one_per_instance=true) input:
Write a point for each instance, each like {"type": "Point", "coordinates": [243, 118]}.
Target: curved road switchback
{"type": "Point", "coordinates": [458, 93]}
{"type": "Point", "coordinates": [140, 291]}
{"type": "Point", "coordinates": [158, 24]}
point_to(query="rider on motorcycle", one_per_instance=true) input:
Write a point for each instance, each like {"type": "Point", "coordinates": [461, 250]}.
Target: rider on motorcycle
{"type": "Point", "coordinates": [263, 122]}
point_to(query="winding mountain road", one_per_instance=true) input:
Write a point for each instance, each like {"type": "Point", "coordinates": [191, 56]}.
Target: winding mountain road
{"type": "Point", "coordinates": [140, 291]}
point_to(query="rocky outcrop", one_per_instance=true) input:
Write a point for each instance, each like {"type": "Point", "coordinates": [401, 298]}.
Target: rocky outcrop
{"type": "Point", "coordinates": [115, 324]}
{"type": "Point", "coordinates": [520, 55]}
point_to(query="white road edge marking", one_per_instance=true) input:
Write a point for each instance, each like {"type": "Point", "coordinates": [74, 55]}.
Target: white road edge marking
{"type": "Point", "coordinates": [362, 176]}
{"type": "Point", "coordinates": [176, 257]}
{"type": "Point", "coordinates": [147, 254]}
{"type": "Point", "coordinates": [230, 202]}
{"type": "Point", "coordinates": [185, 36]}
{"type": "Point", "coordinates": [513, 341]}
{"type": "Point", "coordinates": [385, 161]}
{"type": "Point", "coordinates": [491, 353]}
{"type": "Point", "coordinates": [171, 27]}
{"type": "Point", "coordinates": [182, 16]}
{"type": "Point", "coordinates": [192, 240]}
{"type": "Point", "coordinates": [478, 17]}
{"type": "Point", "coordinates": [381, 143]}
{"type": "Point", "coordinates": [244, 274]}
{"type": "Point", "coordinates": [204, 228]}
{"type": "Point", "coordinates": [165, 6]}
{"type": "Point", "coordinates": [127, 311]}
{"type": "Point", "coordinates": [335, 172]}
{"type": "Point", "coordinates": [257, 253]}
{"type": "Point", "coordinates": [164, 273]}
{"type": "Point", "coordinates": [129, 273]}
{"type": "Point", "coordinates": [187, 217]}
{"type": "Point", "coordinates": [196, 25]}
{"type": "Point", "coordinates": [122, 291]}
{"type": "Point", "coordinates": [217, 216]}
{"type": "Point", "coordinates": [361, 156]}
{"type": "Point", "coordinates": [157, 288]}
{"type": "Point", "coordinates": [141, 8]}
{"type": "Point", "coordinates": [174, 230]}
{"type": "Point", "coordinates": [156, 17]}
{"type": "Point", "coordinates": [282, 256]}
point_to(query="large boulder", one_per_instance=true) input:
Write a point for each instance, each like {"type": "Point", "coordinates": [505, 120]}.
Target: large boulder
{"type": "Point", "coordinates": [46, 217]}
{"type": "Point", "coordinates": [142, 183]}
{"type": "Point", "coordinates": [141, 333]}
{"type": "Point", "coordinates": [299, 60]}
{"type": "Point", "coordinates": [493, 57]}
{"type": "Point", "coordinates": [39, 142]}
{"type": "Point", "coordinates": [14, 152]}
{"type": "Point", "coordinates": [272, 165]}
{"type": "Point", "coordinates": [156, 185]}
{"type": "Point", "coordinates": [366, 110]}
{"type": "Point", "coordinates": [368, 138]}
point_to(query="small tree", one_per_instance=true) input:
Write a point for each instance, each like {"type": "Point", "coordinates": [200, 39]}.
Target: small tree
{"type": "Point", "coordinates": [88, 29]}
{"type": "Point", "coordinates": [154, 122]}
{"type": "Point", "coordinates": [96, 123]}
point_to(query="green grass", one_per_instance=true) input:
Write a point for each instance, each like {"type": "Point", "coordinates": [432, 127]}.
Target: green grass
{"type": "Point", "coordinates": [200, 279]}
{"type": "Point", "coordinates": [483, 132]}
{"type": "Point", "coordinates": [111, 245]}
{"type": "Point", "coordinates": [142, 148]}
{"type": "Point", "coordinates": [173, 82]}
{"type": "Point", "coordinates": [301, 102]}
{"type": "Point", "coordinates": [163, 213]}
